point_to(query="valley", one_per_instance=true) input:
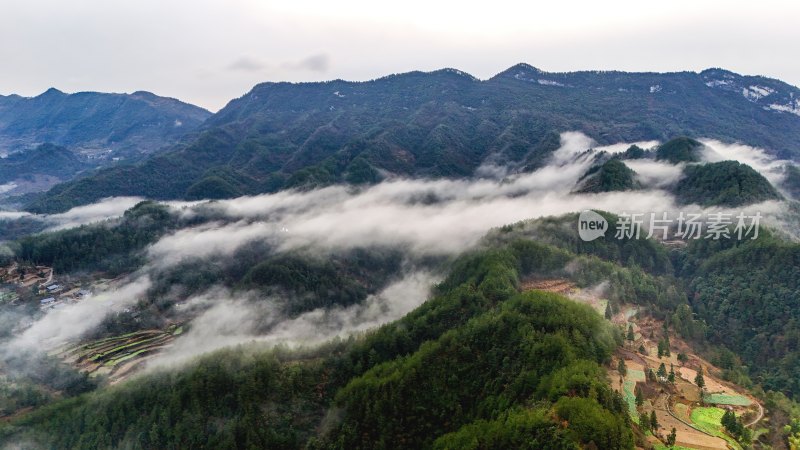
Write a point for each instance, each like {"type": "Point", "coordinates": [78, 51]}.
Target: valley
{"type": "Point", "coordinates": [678, 402]}
{"type": "Point", "coordinates": [376, 270]}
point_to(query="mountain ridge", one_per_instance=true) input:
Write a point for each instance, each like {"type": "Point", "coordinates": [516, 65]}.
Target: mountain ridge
{"type": "Point", "coordinates": [444, 123]}
{"type": "Point", "coordinates": [91, 123]}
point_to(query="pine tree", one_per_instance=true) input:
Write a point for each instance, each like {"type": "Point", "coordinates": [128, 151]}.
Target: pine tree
{"type": "Point", "coordinates": [639, 397]}
{"type": "Point", "coordinates": [644, 421]}
{"type": "Point", "coordinates": [642, 350]}
{"type": "Point", "coordinates": [622, 368]}
{"type": "Point", "coordinates": [653, 421]}
{"type": "Point", "coordinates": [662, 372]}
{"type": "Point", "coordinates": [631, 336]}
{"type": "Point", "coordinates": [699, 380]}
{"type": "Point", "coordinates": [673, 436]}
{"type": "Point", "coordinates": [728, 420]}
{"type": "Point", "coordinates": [671, 376]}
{"type": "Point", "coordinates": [609, 314]}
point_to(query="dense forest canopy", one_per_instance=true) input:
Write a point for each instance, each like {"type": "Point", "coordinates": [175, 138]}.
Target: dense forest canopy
{"type": "Point", "coordinates": [479, 357]}
{"type": "Point", "coordinates": [726, 183]}
{"type": "Point", "coordinates": [613, 175]}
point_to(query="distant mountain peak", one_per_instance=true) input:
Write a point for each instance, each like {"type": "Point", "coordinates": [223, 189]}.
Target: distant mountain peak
{"type": "Point", "coordinates": [461, 73]}
{"type": "Point", "coordinates": [51, 92]}
{"type": "Point", "coordinates": [147, 94]}
{"type": "Point", "coordinates": [520, 71]}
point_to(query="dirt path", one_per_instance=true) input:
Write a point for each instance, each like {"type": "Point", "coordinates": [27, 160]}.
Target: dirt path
{"type": "Point", "coordinates": [758, 418]}
{"type": "Point", "coordinates": [635, 356]}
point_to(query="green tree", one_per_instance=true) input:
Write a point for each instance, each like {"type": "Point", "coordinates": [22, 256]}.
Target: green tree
{"type": "Point", "coordinates": [653, 421]}
{"type": "Point", "coordinates": [673, 435]}
{"type": "Point", "coordinates": [671, 376]}
{"type": "Point", "coordinates": [734, 426]}
{"type": "Point", "coordinates": [699, 380]}
{"type": "Point", "coordinates": [639, 397]}
{"type": "Point", "coordinates": [631, 336]}
{"type": "Point", "coordinates": [622, 368]}
{"type": "Point", "coordinates": [644, 421]}
{"type": "Point", "coordinates": [662, 372]}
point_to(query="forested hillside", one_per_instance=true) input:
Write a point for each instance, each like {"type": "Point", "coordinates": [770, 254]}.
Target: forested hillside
{"type": "Point", "coordinates": [682, 149]}
{"type": "Point", "coordinates": [479, 364]}
{"type": "Point", "coordinates": [726, 183]}
{"type": "Point", "coordinates": [439, 124]}
{"type": "Point", "coordinates": [749, 297]}
{"type": "Point", "coordinates": [46, 159]}
{"type": "Point", "coordinates": [613, 175]}
{"type": "Point", "coordinates": [93, 122]}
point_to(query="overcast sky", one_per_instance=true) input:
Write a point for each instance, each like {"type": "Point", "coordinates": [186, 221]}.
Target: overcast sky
{"type": "Point", "coordinates": [210, 51]}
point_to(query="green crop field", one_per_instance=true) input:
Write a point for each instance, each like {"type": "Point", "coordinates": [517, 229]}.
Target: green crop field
{"type": "Point", "coordinates": [709, 420]}
{"type": "Point", "coordinates": [628, 388]}
{"type": "Point", "coordinates": [635, 375]}
{"type": "Point", "coordinates": [727, 399]}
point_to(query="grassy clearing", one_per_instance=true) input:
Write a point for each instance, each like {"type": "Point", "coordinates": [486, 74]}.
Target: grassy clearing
{"type": "Point", "coordinates": [628, 388]}
{"type": "Point", "coordinates": [727, 399]}
{"type": "Point", "coordinates": [601, 305]}
{"type": "Point", "coordinates": [682, 412]}
{"type": "Point", "coordinates": [635, 375]}
{"type": "Point", "coordinates": [709, 420]}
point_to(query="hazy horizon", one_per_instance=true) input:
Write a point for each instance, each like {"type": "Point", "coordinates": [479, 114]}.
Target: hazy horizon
{"type": "Point", "coordinates": [207, 53]}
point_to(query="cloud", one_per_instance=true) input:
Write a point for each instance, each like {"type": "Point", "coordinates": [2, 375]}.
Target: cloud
{"type": "Point", "coordinates": [104, 209]}
{"type": "Point", "coordinates": [426, 217]}
{"type": "Point", "coordinates": [247, 64]}
{"type": "Point", "coordinates": [235, 319]}
{"type": "Point", "coordinates": [13, 215]}
{"type": "Point", "coordinates": [314, 63]}
{"type": "Point", "coordinates": [757, 158]}
{"type": "Point", "coordinates": [421, 217]}
{"type": "Point", "coordinates": [656, 174]}
{"type": "Point", "coordinates": [70, 321]}
{"type": "Point", "coordinates": [621, 147]}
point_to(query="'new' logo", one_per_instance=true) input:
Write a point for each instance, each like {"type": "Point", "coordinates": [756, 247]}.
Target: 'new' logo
{"type": "Point", "coordinates": [591, 225]}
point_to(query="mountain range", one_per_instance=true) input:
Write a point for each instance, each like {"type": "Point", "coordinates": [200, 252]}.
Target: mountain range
{"type": "Point", "coordinates": [53, 137]}
{"type": "Point", "coordinates": [440, 124]}
{"type": "Point", "coordinates": [94, 123]}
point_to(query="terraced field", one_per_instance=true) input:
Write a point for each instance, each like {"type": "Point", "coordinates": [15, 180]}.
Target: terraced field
{"type": "Point", "coordinates": [709, 420]}
{"type": "Point", "coordinates": [728, 399]}
{"type": "Point", "coordinates": [106, 356]}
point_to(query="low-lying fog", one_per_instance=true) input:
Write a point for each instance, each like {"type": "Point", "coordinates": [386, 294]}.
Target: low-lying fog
{"type": "Point", "coordinates": [423, 217]}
